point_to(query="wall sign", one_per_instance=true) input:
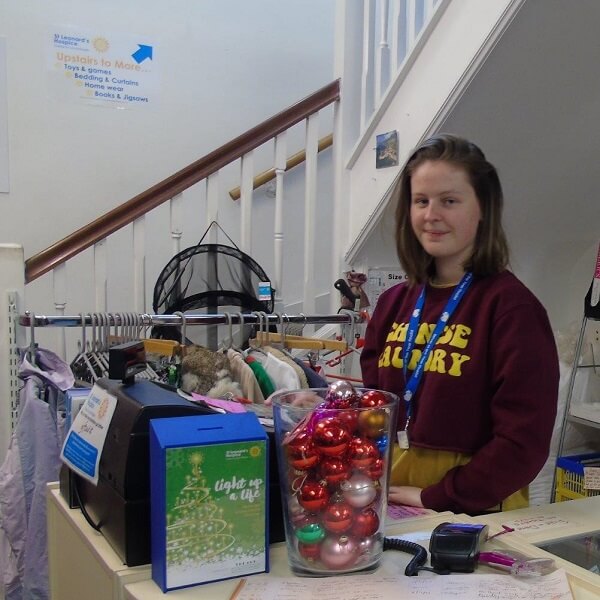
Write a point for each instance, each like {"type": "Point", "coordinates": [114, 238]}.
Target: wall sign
{"type": "Point", "coordinates": [380, 279]}
{"type": "Point", "coordinates": [119, 71]}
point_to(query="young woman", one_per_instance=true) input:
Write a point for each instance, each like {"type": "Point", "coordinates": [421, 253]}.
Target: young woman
{"type": "Point", "coordinates": [465, 345]}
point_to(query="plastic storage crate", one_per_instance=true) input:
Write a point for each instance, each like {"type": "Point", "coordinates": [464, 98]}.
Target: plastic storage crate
{"type": "Point", "coordinates": [570, 478]}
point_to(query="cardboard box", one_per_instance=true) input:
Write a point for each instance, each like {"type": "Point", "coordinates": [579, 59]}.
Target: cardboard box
{"type": "Point", "coordinates": [209, 500]}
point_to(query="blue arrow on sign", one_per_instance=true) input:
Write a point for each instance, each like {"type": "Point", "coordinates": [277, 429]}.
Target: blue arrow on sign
{"type": "Point", "coordinates": [142, 53]}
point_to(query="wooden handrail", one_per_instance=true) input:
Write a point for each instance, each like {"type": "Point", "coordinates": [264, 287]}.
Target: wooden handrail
{"type": "Point", "coordinates": [139, 205]}
{"type": "Point", "coordinates": [291, 162]}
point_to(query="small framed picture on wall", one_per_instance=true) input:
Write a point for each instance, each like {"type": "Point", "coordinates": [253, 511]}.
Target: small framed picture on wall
{"type": "Point", "coordinates": [387, 150]}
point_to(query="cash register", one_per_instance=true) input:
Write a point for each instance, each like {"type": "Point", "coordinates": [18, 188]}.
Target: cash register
{"type": "Point", "coordinates": [119, 505]}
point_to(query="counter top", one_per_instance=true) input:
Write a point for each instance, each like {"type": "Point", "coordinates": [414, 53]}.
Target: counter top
{"type": "Point", "coordinates": [91, 559]}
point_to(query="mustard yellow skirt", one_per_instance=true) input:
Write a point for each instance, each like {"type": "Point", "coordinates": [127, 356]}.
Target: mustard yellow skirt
{"type": "Point", "coordinates": [421, 467]}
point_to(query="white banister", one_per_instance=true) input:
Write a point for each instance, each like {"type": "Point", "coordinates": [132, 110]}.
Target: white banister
{"type": "Point", "coordinates": [246, 191]}
{"type": "Point", "coordinates": [382, 58]}
{"type": "Point", "coordinates": [59, 284]}
{"type": "Point", "coordinates": [310, 204]}
{"type": "Point", "coordinates": [278, 236]}
{"type": "Point", "coordinates": [100, 276]}
{"type": "Point", "coordinates": [366, 93]}
{"type": "Point", "coordinates": [212, 205]}
{"type": "Point", "coordinates": [411, 24]}
{"type": "Point", "coordinates": [399, 41]}
{"type": "Point", "coordinates": [139, 264]}
{"type": "Point", "coordinates": [176, 220]}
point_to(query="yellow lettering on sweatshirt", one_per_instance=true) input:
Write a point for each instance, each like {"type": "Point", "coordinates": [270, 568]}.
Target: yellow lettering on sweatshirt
{"type": "Point", "coordinates": [438, 361]}
{"type": "Point", "coordinates": [457, 361]}
{"type": "Point", "coordinates": [384, 357]}
{"type": "Point", "coordinates": [460, 337]}
{"type": "Point", "coordinates": [424, 333]}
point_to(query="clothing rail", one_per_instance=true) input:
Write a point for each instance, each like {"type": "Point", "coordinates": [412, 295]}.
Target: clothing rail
{"type": "Point", "coordinates": [346, 317]}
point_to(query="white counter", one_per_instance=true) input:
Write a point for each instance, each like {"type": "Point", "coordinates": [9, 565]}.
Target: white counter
{"type": "Point", "coordinates": [81, 559]}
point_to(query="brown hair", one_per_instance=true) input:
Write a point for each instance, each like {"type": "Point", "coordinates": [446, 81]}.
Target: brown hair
{"type": "Point", "coordinates": [490, 254]}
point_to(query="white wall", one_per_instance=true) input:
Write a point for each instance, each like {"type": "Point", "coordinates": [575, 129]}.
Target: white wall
{"type": "Point", "coordinates": [222, 66]}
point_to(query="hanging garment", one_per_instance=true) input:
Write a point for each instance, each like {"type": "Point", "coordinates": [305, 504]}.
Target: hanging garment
{"type": "Point", "coordinates": [283, 375]}
{"type": "Point", "coordinates": [208, 373]}
{"type": "Point", "coordinates": [283, 355]}
{"type": "Point", "coordinates": [313, 378]}
{"type": "Point", "coordinates": [32, 460]}
{"type": "Point", "coordinates": [244, 375]}
{"type": "Point", "coordinates": [267, 387]}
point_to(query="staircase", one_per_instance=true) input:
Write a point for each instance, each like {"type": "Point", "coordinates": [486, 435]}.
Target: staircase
{"type": "Point", "coordinates": [393, 72]}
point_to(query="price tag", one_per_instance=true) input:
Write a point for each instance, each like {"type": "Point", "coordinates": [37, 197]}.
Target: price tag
{"type": "Point", "coordinates": [264, 291]}
{"type": "Point", "coordinates": [591, 478]}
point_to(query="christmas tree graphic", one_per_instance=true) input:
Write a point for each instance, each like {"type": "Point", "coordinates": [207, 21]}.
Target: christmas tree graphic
{"type": "Point", "coordinates": [215, 511]}
{"type": "Point", "coordinates": [196, 529]}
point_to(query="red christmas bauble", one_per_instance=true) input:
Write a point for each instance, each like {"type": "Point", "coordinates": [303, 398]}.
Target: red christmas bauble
{"type": "Point", "coordinates": [349, 418]}
{"type": "Point", "coordinates": [310, 552]}
{"type": "Point", "coordinates": [375, 471]}
{"type": "Point", "coordinates": [362, 452]}
{"type": "Point", "coordinates": [313, 496]}
{"type": "Point", "coordinates": [366, 523]}
{"type": "Point", "coordinates": [334, 470]}
{"type": "Point", "coordinates": [337, 517]}
{"type": "Point", "coordinates": [331, 437]}
{"type": "Point", "coordinates": [302, 454]}
{"type": "Point", "coordinates": [373, 398]}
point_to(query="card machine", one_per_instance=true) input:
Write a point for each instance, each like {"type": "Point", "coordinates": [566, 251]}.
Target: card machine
{"type": "Point", "coordinates": [455, 546]}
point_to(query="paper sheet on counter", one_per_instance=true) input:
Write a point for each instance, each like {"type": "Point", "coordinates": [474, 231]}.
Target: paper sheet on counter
{"type": "Point", "coordinates": [554, 586]}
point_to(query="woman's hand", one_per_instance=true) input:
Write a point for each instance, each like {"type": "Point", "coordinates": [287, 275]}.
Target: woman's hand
{"type": "Point", "coordinates": [405, 494]}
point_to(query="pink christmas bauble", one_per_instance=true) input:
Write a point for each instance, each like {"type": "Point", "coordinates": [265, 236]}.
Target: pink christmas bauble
{"type": "Point", "coordinates": [339, 552]}
{"type": "Point", "coordinates": [341, 394]}
{"type": "Point", "coordinates": [367, 547]}
{"type": "Point", "coordinates": [359, 491]}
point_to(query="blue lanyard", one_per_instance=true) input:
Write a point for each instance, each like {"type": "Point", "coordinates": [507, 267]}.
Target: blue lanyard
{"type": "Point", "coordinates": [413, 327]}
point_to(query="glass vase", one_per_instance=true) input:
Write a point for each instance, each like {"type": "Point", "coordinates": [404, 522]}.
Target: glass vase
{"type": "Point", "coordinates": [333, 450]}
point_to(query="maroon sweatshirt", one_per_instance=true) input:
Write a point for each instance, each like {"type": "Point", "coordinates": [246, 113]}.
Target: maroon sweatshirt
{"type": "Point", "coordinates": [490, 386]}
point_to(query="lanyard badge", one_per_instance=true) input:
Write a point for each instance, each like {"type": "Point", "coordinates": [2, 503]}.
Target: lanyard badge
{"type": "Point", "coordinates": [413, 382]}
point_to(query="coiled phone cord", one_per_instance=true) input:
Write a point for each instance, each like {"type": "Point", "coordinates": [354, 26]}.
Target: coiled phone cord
{"type": "Point", "coordinates": [419, 559]}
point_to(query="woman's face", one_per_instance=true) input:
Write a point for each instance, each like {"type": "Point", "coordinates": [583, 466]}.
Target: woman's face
{"type": "Point", "coordinates": [444, 212]}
